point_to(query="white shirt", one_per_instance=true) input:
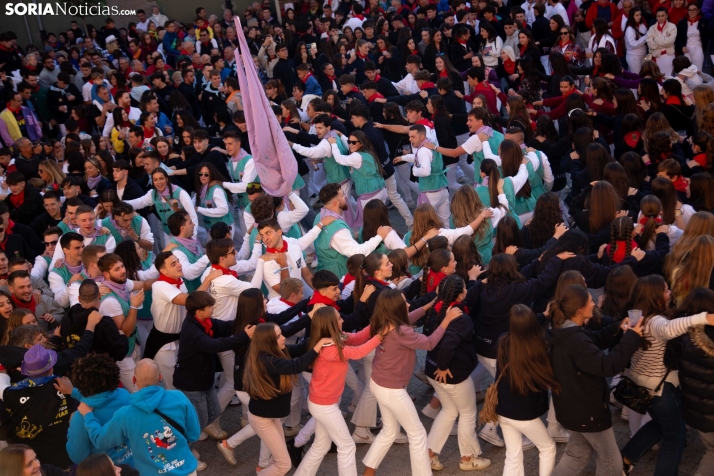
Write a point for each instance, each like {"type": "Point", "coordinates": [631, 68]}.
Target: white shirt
{"type": "Point", "coordinates": [422, 162]}
{"type": "Point", "coordinates": [343, 242]}
{"type": "Point", "coordinates": [530, 13]}
{"type": "Point", "coordinates": [353, 23]}
{"type": "Point", "coordinates": [87, 93]}
{"type": "Point", "coordinates": [184, 199]}
{"type": "Point", "coordinates": [249, 176]}
{"type": "Point", "coordinates": [548, 177]}
{"type": "Point", "coordinates": [110, 306]}
{"type": "Point", "coordinates": [168, 317]}
{"type": "Point", "coordinates": [144, 25]}
{"type": "Point", "coordinates": [134, 115]}
{"type": "Point", "coordinates": [73, 296]}
{"type": "Point", "coordinates": [320, 151]}
{"type": "Point", "coordinates": [407, 85]}
{"type": "Point", "coordinates": [159, 20]}
{"type": "Point", "coordinates": [220, 205]}
{"type": "Point", "coordinates": [296, 262]}
{"type": "Point", "coordinates": [191, 270]}
{"type": "Point", "coordinates": [559, 9]}
{"type": "Point", "coordinates": [226, 289]}
{"type": "Point", "coordinates": [633, 45]}
{"type": "Point", "coordinates": [472, 145]}
{"type": "Point", "coordinates": [110, 245]}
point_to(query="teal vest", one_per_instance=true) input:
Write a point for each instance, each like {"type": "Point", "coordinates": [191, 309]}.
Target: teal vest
{"type": "Point", "coordinates": [125, 306]}
{"type": "Point", "coordinates": [193, 284]}
{"type": "Point", "coordinates": [66, 274]}
{"type": "Point", "coordinates": [382, 248]}
{"type": "Point", "coordinates": [413, 269]}
{"type": "Point", "coordinates": [208, 222]}
{"type": "Point", "coordinates": [494, 142]}
{"type": "Point", "coordinates": [335, 172]}
{"type": "Point", "coordinates": [145, 312]}
{"type": "Point", "coordinates": [367, 178]}
{"type": "Point", "coordinates": [63, 226]}
{"type": "Point", "coordinates": [437, 178]}
{"type": "Point", "coordinates": [135, 225]}
{"type": "Point", "coordinates": [101, 239]}
{"type": "Point", "coordinates": [535, 178]}
{"type": "Point", "coordinates": [237, 175]}
{"type": "Point", "coordinates": [163, 208]}
{"type": "Point", "coordinates": [510, 193]}
{"type": "Point", "coordinates": [327, 257]}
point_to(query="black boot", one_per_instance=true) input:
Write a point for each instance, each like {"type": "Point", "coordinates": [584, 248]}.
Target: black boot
{"type": "Point", "coordinates": [295, 453]}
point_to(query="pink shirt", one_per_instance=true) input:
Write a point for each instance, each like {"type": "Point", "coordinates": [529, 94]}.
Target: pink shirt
{"type": "Point", "coordinates": [328, 373]}
{"type": "Point", "coordinates": [394, 362]}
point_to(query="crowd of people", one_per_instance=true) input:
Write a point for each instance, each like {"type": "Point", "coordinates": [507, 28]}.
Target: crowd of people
{"type": "Point", "coordinates": [550, 165]}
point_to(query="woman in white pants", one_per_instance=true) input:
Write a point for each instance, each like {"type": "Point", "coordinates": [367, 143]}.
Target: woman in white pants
{"type": "Point", "coordinates": [635, 40]}
{"type": "Point", "coordinates": [524, 376]}
{"type": "Point", "coordinates": [660, 39]}
{"type": "Point", "coordinates": [326, 385]}
{"type": "Point", "coordinates": [448, 367]}
{"type": "Point", "coordinates": [689, 37]}
{"type": "Point", "coordinates": [392, 369]}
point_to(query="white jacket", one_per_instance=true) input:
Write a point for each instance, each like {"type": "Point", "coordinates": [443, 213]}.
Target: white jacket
{"type": "Point", "coordinates": [659, 42]}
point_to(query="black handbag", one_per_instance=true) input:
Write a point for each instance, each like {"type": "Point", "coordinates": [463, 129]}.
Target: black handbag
{"type": "Point", "coordinates": [633, 396]}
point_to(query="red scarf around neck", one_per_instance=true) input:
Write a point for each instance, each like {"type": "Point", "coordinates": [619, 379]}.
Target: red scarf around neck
{"type": "Point", "coordinates": [308, 76]}
{"type": "Point", "coordinates": [425, 122]}
{"type": "Point", "coordinates": [510, 66]}
{"type": "Point", "coordinates": [674, 100]}
{"type": "Point", "coordinates": [225, 271]}
{"type": "Point", "coordinates": [31, 306]}
{"type": "Point", "coordinates": [427, 85]}
{"type": "Point", "coordinates": [360, 55]}
{"type": "Point", "coordinates": [701, 159]}
{"type": "Point", "coordinates": [661, 29]}
{"type": "Point", "coordinates": [374, 96]}
{"type": "Point", "coordinates": [284, 248]}
{"type": "Point", "coordinates": [318, 298]}
{"type": "Point", "coordinates": [433, 278]}
{"type": "Point", "coordinates": [443, 73]}
{"type": "Point", "coordinates": [347, 279]}
{"type": "Point", "coordinates": [680, 184]}
{"type": "Point", "coordinates": [14, 111]}
{"type": "Point", "coordinates": [692, 22]}
{"type": "Point", "coordinates": [174, 282]}
{"type": "Point", "coordinates": [18, 199]}
{"type": "Point", "coordinates": [207, 326]}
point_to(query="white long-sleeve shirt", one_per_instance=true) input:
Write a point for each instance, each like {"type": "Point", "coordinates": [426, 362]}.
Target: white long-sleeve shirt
{"type": "Point", "coordinates": [320, 151]}
{"type": "Point", "coordinates": [345, 244]}
{"type": "Point", "coordinates": [407, 85]}
{"type": "Point", "coordinates": [295, 261]}
{"type": "Point", "coordinates": [184, 199]}
{"type": "Point", "coordinates": [421, 160]}
{"type": "Point", "coordinates": [191, 270]}
{"type": "Point", "coordinates": [634, 46]}
{"type": "Point", "coordinates": [548, 177]}
{"type": "Point", "coordinates": [134, 116]}
{"type": "Point", "coordinates": [220, 202]}
{"type": "Point", "coordinates": [110, 245]}
{"type": "Point", "coordinates": [249, 175]}
{"type": "Point", "coordinates": [353, 160]}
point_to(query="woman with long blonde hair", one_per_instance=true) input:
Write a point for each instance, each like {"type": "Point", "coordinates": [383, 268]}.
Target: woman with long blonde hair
{"type": "Point", "coordinates": [696, 270]}
{"type": "Point", "coordinates": [268, 378]}
{"type": "Point", "coordinates": [51, 174]}
{"type": "Point", "coordinates": [466, 207]}
{"type": "Point", "coordinates": [701, 223]}
{"type": "Point", "coordinates": [18, 317]}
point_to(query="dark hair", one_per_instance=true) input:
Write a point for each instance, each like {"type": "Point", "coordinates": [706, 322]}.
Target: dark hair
{"type": "Point", "coordinates": [503, 270]}
{"type": "Point", "coordinates": [98, 464]}
{"type": "Point", "coordinates": [572, 298]}
{"type": "Point", "coordinates": [448, 290]}
{"type": "Point", "coordinates": [546, 216]}
{"type": "Point", "coordinates": [507, 234]}
{"type": "Point", "coordinates": [198, 300]}
{"type": "Point", "coordinates": [94, 373]}
{"type": "Point", "coordinates": [618, 285]}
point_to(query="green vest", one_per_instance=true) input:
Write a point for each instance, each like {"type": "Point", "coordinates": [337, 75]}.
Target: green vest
{"type": "Point", "coordinates": [367, 178]}
{"type": "Point", "coordinates": [437, 178]}
{"type": "Point", "coordinates": [163, 208]}
{"type": "Point", "coordinates": [494, 142]}
{"type": "Point", "coordinates": [382, 248]}
{"type": "Point", "coordinates": [63, 226]}
{"type": "Point", "coordinates": [327, 257]}
{"type": "Point", "coordinates": [208, 222]}
{"type": "Point", "coordinates": [118, 237]}
{"type": "Point", "coordinates": [335, 172]}
{"type": "Point", "coordinates": [145, 312]}
{"type": "Point", "coordinates": [511, 196]}
{"type": "Point", "coordinates": [66, 274]}
{"type": "Point", "coordinates": [125, 306]}
{"type": "Point", "coordinates": [413, 269]}
{"type": "Point", "coordinates": [100, 239]}
{"type": "Point", "coordinates": [192, 284]}
{"type": "Point", "coordinates": [535, 178]}
{"type": "Point", "coordinates": [236, 173]}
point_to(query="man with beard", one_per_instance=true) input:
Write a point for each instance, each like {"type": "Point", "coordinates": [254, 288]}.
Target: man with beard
{"type": "Point", "coordinates": [48, 75]}
{"type": "Point", "coordinates": [122, 308]}
{"type": "Point", "coordinates": [46, 309]}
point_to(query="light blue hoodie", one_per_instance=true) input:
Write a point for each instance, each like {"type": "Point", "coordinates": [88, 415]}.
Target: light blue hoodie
{"type": "Point", "coordinates": [157, 447]}
{"type": "Point", "coordinates": [105, 404]}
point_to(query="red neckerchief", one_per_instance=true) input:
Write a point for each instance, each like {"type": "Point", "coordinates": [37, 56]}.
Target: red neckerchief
{"type": "Point", "coordinates": [18, 199]}
{"type": "Point", "coordinates": [383, 283]}
{"type": "Point", "coordinates": [571, 91]}
{"type": "Point", "coordinates": [563, 45]}
{"type": "Point", "coordinates": [31, 306]}
{"type": "Point", "coordinates": [14, 111]}
{"type": "Point", "coordinates": [382, 50]}
{"type": "Point", "coordinates": [377, 78]}
{"type": "Point", "coordinates": [523, 49]}
{"type": "Point", "coordinates": [373, 97]}
{"type": "Point", "coordinates": [309, 75]}
{"type": "Point", "coordinates": [207, 326]}
{"type": "Point", "coordinates": [443, 73]}
{"type": "Point", "coordinates": [2, 47]}
{"type": "Point", "coordinates": [510, 66]}
{"type": "Point", "coordinates": [331, 78]}
{"type": "Point", "coordinates": [596, 70]}
{"type": "Point", "coordinates": [284, 249]}
{"type": "Point", "coordinates": [10, 224]}
{"type": "Point", "coordinates": [174, 282]}
{"type": "Point", "coordinates": [225, 271]}
{"type": "Point", "coordinates": [427, 85]}
{"type": "Point", "coordinates": [318, 298]}
{"type": "Point", "coordinates": [620, 248]}
{"type": "Point", "coordinates": [701, 159]}
{"type": "Point", "coordinates": [662, 28]}
{"type": "Point", "coordinates": [415, 52]}
{"type": "Point", "coordinates": [644, 220]}
{"type": "Point", "coordinates": [632, 138]}
{"type": "Point", "coordinates": [433, 279]}
{"type": "Point", "coordinates": [3, 243]}
{"type": "Point", "coordinates": [291, 304]}
{"type": "Point", "coordinates": [440, 304]}
{"type": "Point", "coordinates": [358, 16]}
{"type": "Point", "coordinates": [128, 110]}
{"type": "Point", "coordinates": [360, 55]}
{"type": "Point", "coordinates": [425, 122]}
{"type": "Point", "coordinates": [692, 22]}
{"type": "Point", "coordinates": [680, 184]}
{"type": "Point", "coordinates": [462, 42]}
{"type": "Point", "coordinates": [355, 89]}
{"type": "Point", "coordinates": [674, 100]}
{"type": "Point", "coordinates": [148, 133]}
{"type": "Point", "coordinates": [347, 279]}
{"type": "Point", "coordinates": [287, 119]}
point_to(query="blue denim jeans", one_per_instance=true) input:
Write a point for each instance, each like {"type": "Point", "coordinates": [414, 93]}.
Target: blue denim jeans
{"type": "Point", "coordinates": [206, 405]}
{"type": "Point", "coordinates": [666, 425]}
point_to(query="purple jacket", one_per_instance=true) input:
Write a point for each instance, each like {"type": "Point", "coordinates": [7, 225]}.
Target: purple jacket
{"type": "Point", "coordinates": [34, 128]}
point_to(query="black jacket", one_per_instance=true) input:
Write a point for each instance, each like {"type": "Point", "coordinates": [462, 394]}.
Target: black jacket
{"type": "Point", "coordinates": [28, 167]}
{"type": "Point", "coordinates": [106, 334]}
{"type": "Point", "coordinates": [580, 365]}
{"type": "Point", "coordinates": [693, 355]}
{"type": "Point", "coordinates": [188, 92]}
{"type": "Point", "coordinates": [28, 209]}
{"type": "Point", "coordinates": [681, 41]}
{"type": "Point", "coordinates": [454, 351]}
{"type": "Point", "coordinates": [191, 165]}
{"type": "Point", "coordinates": [15, 246]}
{"type": "Point", "coordinates": [284, 71]}
{"type": "Point", "coordinates": [515, 406]}
{"type": "Point", "coordinates": [31, 239]}
{"type": "Point", "coordinates": [42, 222]}
{"type": "Point", "coordinates": [196, 360]}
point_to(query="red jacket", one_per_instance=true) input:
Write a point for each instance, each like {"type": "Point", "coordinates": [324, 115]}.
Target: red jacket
{"type": "Point", "coordinates": [619, 34]}
{"type": "Point", "coordinates": [489, 94]}
{"type": "Point", "coordinates": [556, 105]}
{"type": "Point", "coordinates": [592, 13]}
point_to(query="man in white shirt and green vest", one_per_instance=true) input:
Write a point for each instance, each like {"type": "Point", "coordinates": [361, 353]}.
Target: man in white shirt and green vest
{"type": "Point", "coordinates": [187, 249]}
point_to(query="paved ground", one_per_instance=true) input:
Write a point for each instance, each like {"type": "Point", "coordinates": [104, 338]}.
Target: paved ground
{"type": "Point", "coordinates": [397, 461]}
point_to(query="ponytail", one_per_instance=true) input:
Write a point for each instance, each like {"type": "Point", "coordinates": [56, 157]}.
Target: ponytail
{"type": "Point", "coordinates": [490, 169]}
{"type": "Point", "coordinates": [371, 263]}
{"type": "Point", "coordinates": [573, 297]}
{"type": "Point", "coordinates": [449, 289]}
{"type": "Point", "coordinates": [355, 268]}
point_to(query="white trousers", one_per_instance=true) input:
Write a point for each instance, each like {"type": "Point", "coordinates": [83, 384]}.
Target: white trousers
{"type": "Point", "coordinates": [398, 409]}
{"type": "Point", "coordinates": [695, 54]}
{"type": "Point", "coordinates": [485, 365]}
{"type": "Point", "coordinates": [247, 432]}
{"type": "Point", "coordinates": [166, 360]}
{"type": "Point", "coordinates": [382, 196]}
{"type": "Point", "coordinates": [535, 431]}
{"type": "Point", "coordinates": [665, 64]}
{"type": "Point", "coordinates": [329, 427]}
{"type": "Point", "coordinates": [126, 370]}
{"type": "Point", "coordinates": [397, 200]}
{"type": "Point", "coordinates": [143, 327]}
{"type": "Point", "coordinates": [457, 400]}
{"type": "Point", "coordinates": [440, 201]}
{"type": "Point", "coordinates": [227, 388]}
{"type": "Point", "coordinates": [634, 62]}
{"type": "Point", "coordinates": [366, 412]}
{"type": "Point", "coordinates": [405, 185]}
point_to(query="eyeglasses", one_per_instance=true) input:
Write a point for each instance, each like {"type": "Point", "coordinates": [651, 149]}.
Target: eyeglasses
{"type": "Point", "coordinates": [564, 33]}
{"type": "Point", "coordinates": [353, 142]}
{"type": "Point", "coordinates": [204, 175]}
{"type": "Point", "coordinates": [50, 243]}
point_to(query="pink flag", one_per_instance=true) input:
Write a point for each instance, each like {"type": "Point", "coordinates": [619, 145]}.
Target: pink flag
{"type": "Point", "coordinates": [272, 155]}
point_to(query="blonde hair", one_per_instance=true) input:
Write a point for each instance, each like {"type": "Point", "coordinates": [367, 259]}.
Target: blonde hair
{"type": "Point", "coordinates": [703, 96]}
{"type": "Point", "coordinates": [425, 218]}
{"type": "Point", "coordinates": [700, 224]}
{"type": "Point", "coordinates": [696, 269]}
{"type": "Point", "coordinates": [656, 123]}
{"type": "Point", "coordinates": [466, 206]}
{"type": "Point", "coordinates": [53, 170]}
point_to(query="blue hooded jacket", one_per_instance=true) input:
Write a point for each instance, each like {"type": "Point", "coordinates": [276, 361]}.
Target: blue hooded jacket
{"type": "Point", "coordinates": [105, 404]}
{"type": "Point", "coordinates": [157, 447]}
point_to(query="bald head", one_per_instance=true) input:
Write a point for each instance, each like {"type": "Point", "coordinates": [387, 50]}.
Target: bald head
{"type": "Point", "coordinates": [146, 374]}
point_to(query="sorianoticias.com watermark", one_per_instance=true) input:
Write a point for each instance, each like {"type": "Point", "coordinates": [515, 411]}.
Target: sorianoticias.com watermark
{"type": "Point", "coordinates": [74, 9]}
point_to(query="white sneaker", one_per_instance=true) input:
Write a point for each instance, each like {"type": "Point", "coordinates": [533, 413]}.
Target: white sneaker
{"type": "Point", "coordinates": [435, 463]}
{"type": "Point", "coordinates": [489, 433]}
{"type": "Point", "coordinates": [527, 444]}
{"type": "Point", "coordinates": [430, 411]}
{"type": "Point", "coordinates": [475, 463]}
{"type": "Point", "coordinates": [359, 439]}
{"type": "Point", "coordinates": [558, 433]}
{"type": "Point", "coordinates": [203, 436]}
{"type": "Point", "coordinates": [401, 439]}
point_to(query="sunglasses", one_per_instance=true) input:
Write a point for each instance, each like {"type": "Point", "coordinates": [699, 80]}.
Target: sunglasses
{"type": "Point", "coordinates": [231, 252]}
{"type": "Point", "coordinates": [564, 33]}
{"type": "Point", "coordinates": [353, 142]}
{"type": "Point", "coordinates": [204, 175]}
{"type": "Point", "coordinates": [50, 243]}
